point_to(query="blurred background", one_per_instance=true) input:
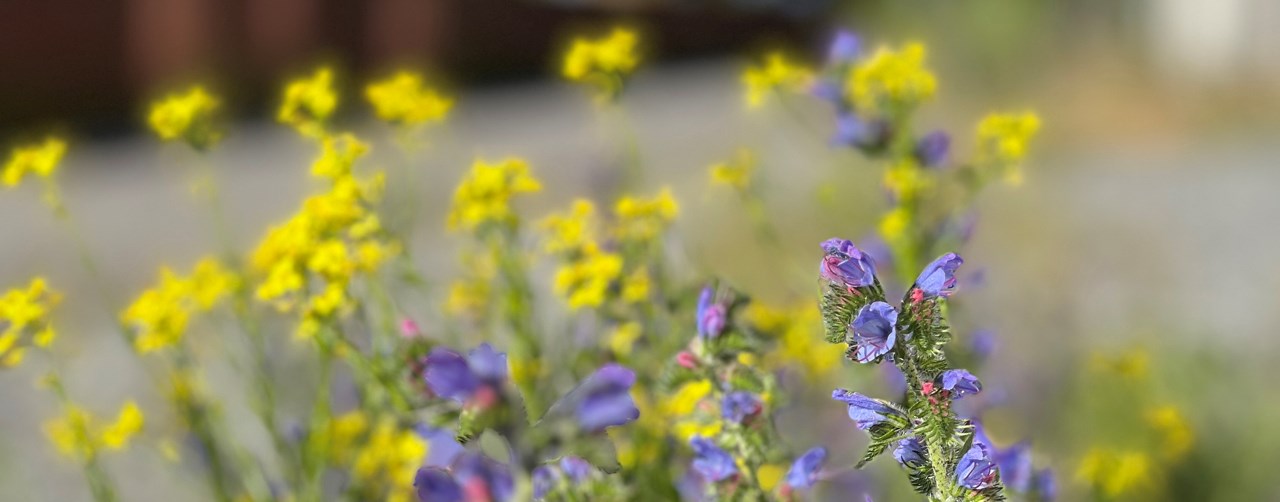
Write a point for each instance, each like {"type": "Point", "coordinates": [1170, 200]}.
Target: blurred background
{"type": "Point", "coordinates": [1142, 226]}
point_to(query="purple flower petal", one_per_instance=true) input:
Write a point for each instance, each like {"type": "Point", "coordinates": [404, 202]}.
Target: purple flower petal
{"type": "Point", "coordinates": [844, 48]}
{"type": "Point", "coordinates": [865, 412]}
{"type": "Point", "coordinates": [449, 376]}
{"type": "Point", "coordinates": [740, 405]}
{"type": "Point", "coordinates": [931, 150]}
{"type": "Point", "coordinates": [910, 452]}
{"type": "Point", "coordinates": [804, 471]}
{"type": "Point", "coordinates": [875, 331]}
{"type": "Point", "coordinates": [960, 382]}
{"type": "Point", "coordinates": [606, 398]}
{"type": "Point", "coordinates": [434, 484]}
{"type": "Point", "coordinates": [939, 277]}
{"type": "Point", "coordinates": [481, 475]}
{"type": "Point", "coordinates": [709, 461]}
{"type": "Point", "coordinates": [976, 469]}
{"type": "Point", "coordinates": [487, 363]}
{"type": "Point", "coordinates": [843, 262]}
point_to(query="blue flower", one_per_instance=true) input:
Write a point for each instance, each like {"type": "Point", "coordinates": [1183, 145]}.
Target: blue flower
{"type": "Point", "coordinates": [483, 478]}
{"type": "Point", "coordinates": [976, 469]}
{"type": "Point", "coordinates": [709, 461]}
{"type": "Point", "coordinates": [939, 278]}
{"type": "Point", "coordinates": [738, 406]}
{"type": "Point", "coordinates": [1015, 466]}
{"type": "Point", "coordinates": [874, 331]}
{"type": "Point", "coordinates": [931, 150]}
{"type": "Point", "coordinates": [866, 412]}
{"type": "Point", "coordinates": [434, 484]}
{"type": "Point", "coordinates": [711, 315]}
{"type": "Point", "coordinates": [605, 398]}
{"type": "Point", "coordinates": [844, 48]}
{"type": "Point", "coordinates": [443, 446]}
{"type": "Point", "coordinates": [804, 471]}
{"type": "Point", "coordinates": [448, 374]}
{"type": "Point", "coordinates": [960, 383]}
{"type": "Point", "coordinates": [1046, 485]}
{"type": "Point", "coordinates": [544, 479]}
{"type": "Point", "coordinates": [576, 468]}
{"type": "Point", "coordinates": [910, 452]}
{"type": "Point", "coordinates": [547, 476]}
{"type": "Point", "coordinates": [844, 263]}
{"type": "Point", "coordinates": [854, 131]}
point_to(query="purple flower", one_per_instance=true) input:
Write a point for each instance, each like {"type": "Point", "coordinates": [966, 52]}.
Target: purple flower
{"type": "Point", "coordinates": [804, 471]}
{"type": "Point", "coordinates": [443, 446]}
{"type": "Point", "coordinates": [483, 478]}
{"type": "Point", "coordinates": [866, 412]}
{"type": "Point", "coordinates": [854, 131]}
{"type": "Point", "coordinates": [960, 382]}
{"type": "Point", "coordinates": [712, 463]}
{"type": "Point", "coordinates": [1046, 485]}
{"type": "Point", "coordinates": [450, 375]}
{"type": "Point", "coordinates": [544, 479]}
{"type": "Point", "coordinates": [931, 150]}
{"type": "Point", "coordinates": [875, 331]}
{"type": "Point", "coordinates": [1015, 466]}
{"type": "Point", "coordinates": [844, 48]}
{"type": "Point", "coordinates": [740, 405]}
{"type": "Point", "coordinates": [434, 484]}
{"type": "Point", "coordinates": [976, 469]}
{"type": "Point", "coordinates": [939, 278]}
{"type": "Point", "coordinates": [576, 468]}
{"type": "Point", "coordinates": [711, 315]}
{"type": "Point", "coordinates": [606, 398]}
{"type": "Point", "coordinates": [983, 343]}
{"type": "Point", "coordinates": [910, 452]}
{"type": "Point", "coordinates": [843, 262]}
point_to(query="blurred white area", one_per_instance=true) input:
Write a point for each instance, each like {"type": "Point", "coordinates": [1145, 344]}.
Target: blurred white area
{"type": "Point", "coordinates": [1215, 42]}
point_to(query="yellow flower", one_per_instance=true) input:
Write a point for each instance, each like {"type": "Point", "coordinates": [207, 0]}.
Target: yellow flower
{"type": "Point", "coordinates": [645, 219]}
{"type": "Point", "coordinates": [390, 456]}
{"type": "Point", "coordinates": [25, 314]}
{"type": "Point", "coordinates": [603, 63]}
{"type": "Point", "coordinates": [585, 281]}
{"type": "Point", "coordinates": [77, 434]}
{"type": "Point", "coordinates": [308, 103]}
{"type": "Point", "coordinates": [187, 116]}
{"type": "Point", "coordinates": [338, 154]}
{"type": "Point", "coordinates": [1115, 473]}
{"type": "Point", "coordinates": [524, 370]}
{"type": "Point", "coordinates": [735, 173]}
{"type": "Point", "coordinates": [906, 180]}
{"type": "Point", "coordinates": [777, 73]}
{"type": "Point", "coordinates": [403, 99]}
{"type": "Point", "coordinates": [891, 81]}
{"type": "Point", "coordinates": [769, 475]}
{"type": "Point", "coordinates": [159, 316]}
{"type": "Point", "coordinates": [1176, 435]}
{"type": "Point", "coordinates": [1003, 140]}
{"type": "Point", "coordinates": [624, 337]}
{"type": "Point", "coordinates": [895, 224]}
{"type": "Point", "coordinates": [571, 231]}
{"type": "Point", "coordinates": [635, 287]}
{"type": "Point", "coordinates": [39, 159]}
{"type": "Point", "coordinates": [484, 196]}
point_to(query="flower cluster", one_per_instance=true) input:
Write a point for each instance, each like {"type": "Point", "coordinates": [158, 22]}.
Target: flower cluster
{"type": "Point", "coordinates": [483, 199]}
{"type": "Point", "coordinates": [81, 436]}
{"type": "Point", "coordinates": [39, 159]}
{"type": "Point", "coordinates": [25, 314]}
{"type": "Point", "coordinates": [159, 316]}
{"type": "Point", "coordinates": [594, 271]}
{"type": "Point", "coordinates": [604, 63]}
{"type": "Point", "coordinates": [403, 99]}
{"type": "Point", "coordinates": [309, 102]}
{"type": "Point", "coordinates": [777, 73]}
{"type": "Point", "coordinates": [188, 117]}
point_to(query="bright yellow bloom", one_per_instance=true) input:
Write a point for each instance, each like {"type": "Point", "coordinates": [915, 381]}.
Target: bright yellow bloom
{"type": "Point", "coordinates": [40, 159]}
{"type": "Point", "coordinates": [645, 219]}
{"type": "Point", "coordinates": [187, 116]}
{"type": "Point", "coordinates": [795, 330]}
{"type": "Point", "coordinates": [635, 287]}
{"type": "Point", "coordinates": [1115, 473]}
{"type": "Point", "coordinates": [735, 173]}
{"type": "Point", "coordinates": [769, 475]}
{"type": "Point", "coordinates": [25, 315]}
{"type": "Point", "coordinates": [570, 232]}
{"type": "Point", "coordinates": [585, 280]}
{"type": "Point", "coordinates": [906, 180]}
{"type": "Point", "coordinates": [403, 99]}
{"type": "Point", "coordinates": [624, 338]}
{"type": "Point", "coordinates": [337, 155]}
{"type": "Point", "coordinates": [390, 456]}
{"type": "Point", "coordinates": [777, 73]}
{"type": "Point", "coordinates": [691, 411]}
{"type": "Point", "coordinates": [484, 196]}
{"type": "Point", "coordinates": [1176, 435]}
{"type": "Point", "coordinates": [603, 63]}
{"type": "Point", "coordinates": [891, 81]}
{"type": "Point", "coordinates": [1003, 140]}
{"type": "Point", "coordinates": [895, 224]}
{"type": "Point", "coordinates": [159, 316]}
{"type": "Point", "coordinates": [77, 434]}
{"type": "Point", "coordinates": [308, 103]}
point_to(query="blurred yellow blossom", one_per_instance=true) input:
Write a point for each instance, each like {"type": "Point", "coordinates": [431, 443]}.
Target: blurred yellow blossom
{"type": "Point", "coordinates": [890, 81]}
{"type": "Point", "coordinates": [585, 280]}
{"type": "Point", "coordinates": [777, 73]}
{"type": "Point", "coordinates": [187, 116]}
{"type": "Point", "coordinates": [624, 338]}
{"type": "Point", "coordinates": [1115, 472]}
{"type": "Point", "coordinates": [769, 475]}
{"type": "Point", "coordinates": [641, 220]}
{"type": "Point", "coordinates": [895, 224]}
{"type": "Point", "coordinates": [795, 329]}
{"type": "Point", "coordinates": [309, 102]}
{"type": "Point", "coordinates": [571, 231]}
{"type": "Point", "coordinates": [1176, 434]}
{"type": "Point", "coordinates": [737, 172]}
{"type": "Point", "coordinates": [689, 411]}
{"type": "Point", "coordinates": [484, 196]}
{"type": "Point", "coordinates": [337, 156]}
{"type": "Point", "coordinates": [159, 316]}
{"type": "Point", "coordinates": [25, 314]}
{"type": "Point", "coordinates": [1130, 364]}
{"type": "Point", "coordinates": [40, 159]}
{"type": "Point", "coordinates": [603, 63]}
{"type": "Point", "coordinates": [1003, 140]}
{"type": "Point", "coordinates": [635, 286]}
{"type": "Point", "coordinates": [403, 99]}
{"type": "Point", "coordinates": [906, 180]}
{"type": "Point", "coordinates": [78, 435]}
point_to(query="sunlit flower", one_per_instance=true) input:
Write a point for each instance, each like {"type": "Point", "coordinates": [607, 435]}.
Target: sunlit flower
{"type": "Point", "coordinates": [740, 406]}
{"type": "Point", "coordinates": [40, 159]}
{"type": "Point", "coordinates": [309, 102]}
{"type": "Point", "coordinates": [484, 196]}
{"type": "Point", "coordinates": [867, 412]}
{"type": "Point", "coordinates": [586, 280]}
{"type": "Point", "coordinates": [875, 331]}
{"type": "Point", "coordinates": [603, 63]}
{"type": "Point", "coordinates": [804, 471]}
{"type": "Point", "coordinates": [775, 74]}
{"type": "Point", "coordinates": [844, 263]}
{"type": "Point", "coordinates": [642, 220]}
{"type": "Point", "coordinates": [1003, 141]}
{"type": "Point", "coordinates": [910, 452]}
{"type": "Point", "coordinates": [80, 436]}
{"type": "Point", "coordinates": [25, 314]}
{"type": "Point", "coordinates": [159, 316]}
{"type": "Point", "coordinates": [337, 156]}
{"type": "Point", "coordinates": [977, 469]}
{"type": "Point", "coordinates": [889, 81]}
{"type": "Point", "coordinates": [938, 279]}
{"type": "Point", "coordinates": [959, 383]}
{"type": "Point", "coordinates": [403, 99]}
{"type": "Point", "coordinates": [570, 231]}
{"type": "Point", "coordinates": [604, 399]}
{"type": "Point", "coordinates": [187, 116]}
{"type": "Point", "coordinates": [711, 314]}
{"type": "Point", "coordinates": [450, 375]}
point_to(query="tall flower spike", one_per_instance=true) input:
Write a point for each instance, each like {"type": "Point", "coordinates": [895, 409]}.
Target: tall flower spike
{"type": "Point", "coordinates": [875, 331]}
